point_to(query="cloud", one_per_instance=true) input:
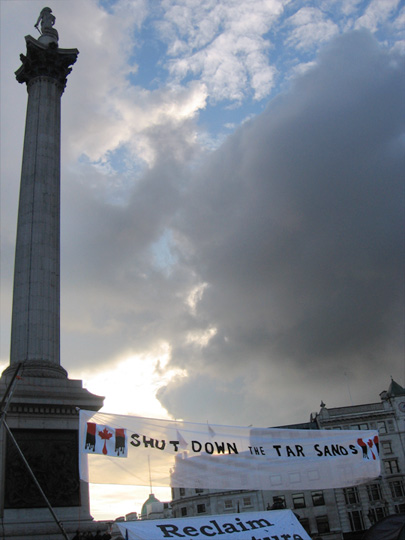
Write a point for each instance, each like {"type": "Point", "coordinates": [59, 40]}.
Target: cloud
{"type": "Point", "coordinates": [310, 27]}
{"type": "Point", "coordinates": [377, 13]}
{"type": "Point", "coordinates": [296, 226]}
{"type": "Point", "coordinates": [266, 267]}
{"type": "Point", "coordinates": [223, 44]}
{"type": "Point", "coordinates": [112, 97]}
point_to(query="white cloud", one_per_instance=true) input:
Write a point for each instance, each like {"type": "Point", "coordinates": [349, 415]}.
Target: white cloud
{"type": "Point", "coordinates": [100, 94]}
{"type": "Point", "coordinates": [131, 113]}
{"type": "Point", "coordinates": [300, 69]}
{"type": "Point", "coordinates": [347, 7]}
{"type": "Point", "coordinates": [311, 27]}
{"type": "Point", "coordinates": [222, 43]}
{"type": "Point", "coordinates": [376, 13]}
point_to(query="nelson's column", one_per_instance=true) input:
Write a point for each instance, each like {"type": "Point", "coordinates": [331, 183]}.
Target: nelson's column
{"type": "Point", "coordinates": [41, 401]}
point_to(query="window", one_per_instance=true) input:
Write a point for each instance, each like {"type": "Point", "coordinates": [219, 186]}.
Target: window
{"type": "Point", "coordinates": [391, 466]}
{"type": "Point", "coordinates": [382, 428]}
{"type": "Point", "coordinates": [356, 520]}
{"type": "Point", "coordinates": [386, 446]}
{"type": "Point", "coordinates": [228, 503]}
{"type": "Point", "coordinates": [298, 500]}
{"type": "Point", "coordinates": [201, 508]}
{"type": "Point", "coordinates": [374, 492]}
{"type": "Point", "coordinates": [380, 513]}
{"type": "Point", "coordinates": [375, 514]}
{"type": "Point", "coordinates": [198, 490]}
{"type": "Point", "coordinates": [278, 502]}
{"type": "Point", "coordinates": [322, 524]}
{"type": "Point", "coordinates": [317, 498]}
{"type": "Point", "coordinates": [397, 488]}
{"type": "Point", "coordinates": [400, 508]}
{"type": "Point", "coordinates": [182, 492]}
{"type": "Point", "coordinates": [183, 511]}
{"type": "Point", "coordinates": [305, 524]}
{"type": "Point", "coordinates": [247, 501]}
{"type": "Point", "coordinates": [351, 495]}
{"type": "Point", "coordinates": [359, 426]}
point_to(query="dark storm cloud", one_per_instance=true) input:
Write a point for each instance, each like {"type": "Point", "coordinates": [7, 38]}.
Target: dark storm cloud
{"type": "Point", "coordinates": [110, 267]}
{"type": "Point", "coordinates": [297, 227]}
{"type": "Point", "coordinates": [294, 227]}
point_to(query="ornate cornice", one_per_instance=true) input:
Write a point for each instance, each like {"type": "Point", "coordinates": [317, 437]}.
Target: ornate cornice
{"type": "Point", "coordinates": [41, 409]}
{"type": "Point", "coordinates": [45, 61]}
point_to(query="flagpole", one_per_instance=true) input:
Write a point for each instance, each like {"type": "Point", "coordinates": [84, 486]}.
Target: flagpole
{"type": "Point", "coordinates": [150, 476]}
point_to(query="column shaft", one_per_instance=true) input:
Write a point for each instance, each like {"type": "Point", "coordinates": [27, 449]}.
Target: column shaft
{"type": "Point", "coordinates": [35, 334]}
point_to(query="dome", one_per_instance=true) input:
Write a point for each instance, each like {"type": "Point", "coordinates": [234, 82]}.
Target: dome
{"type": "Point", "coordinates": [150, 500]}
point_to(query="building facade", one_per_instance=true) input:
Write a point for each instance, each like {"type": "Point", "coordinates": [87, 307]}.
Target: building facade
{"type": "Point", "coordinates": [334, 514]}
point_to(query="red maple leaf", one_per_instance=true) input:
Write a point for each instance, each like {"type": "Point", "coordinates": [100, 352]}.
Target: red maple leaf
{"type": "Point", "coordinates": [105, 435]}
{"type": "Point", "coordinates": [370, 442]}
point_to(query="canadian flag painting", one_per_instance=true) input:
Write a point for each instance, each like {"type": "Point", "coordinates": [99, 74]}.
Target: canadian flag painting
{"type": "Point", "coordinates": [370, 447]}
{"type": "Point", "coordinates": [105, 440]}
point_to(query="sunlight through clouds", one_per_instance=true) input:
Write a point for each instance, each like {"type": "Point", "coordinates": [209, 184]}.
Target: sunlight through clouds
{"type": "Point", "coordinates": [130, 386]}
{"type": "Point", "coordinates": [195, 296]}
{"type": "Point", "coordinates": [202, 338]}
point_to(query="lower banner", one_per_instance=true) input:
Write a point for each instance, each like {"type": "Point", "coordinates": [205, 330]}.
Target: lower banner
{"type": "Point", "coordinates": [270, 525]}
{"type": "Point", "coordinates": [118, 449]}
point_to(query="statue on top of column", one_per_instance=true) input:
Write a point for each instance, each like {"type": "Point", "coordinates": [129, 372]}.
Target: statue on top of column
{"type": "Point", "coordinates": [44, 58]}
{"type": "Point", "coordinates": [47, 20]}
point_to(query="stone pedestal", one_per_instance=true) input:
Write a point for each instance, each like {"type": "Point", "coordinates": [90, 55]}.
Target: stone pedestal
{"type": "Point", "coordinates": [44, 419]}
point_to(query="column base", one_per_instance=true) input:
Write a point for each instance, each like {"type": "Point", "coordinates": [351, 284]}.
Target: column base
{"type": "Point", "coordinates": [43, 415]}
{"type": "Point", "coordinates": [37, 368]}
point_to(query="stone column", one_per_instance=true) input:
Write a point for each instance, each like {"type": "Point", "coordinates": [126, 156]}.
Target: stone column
{"type": "Point", "coordinates": [43, 412]}
{"type": "Point", "coordinates": [35, 330]}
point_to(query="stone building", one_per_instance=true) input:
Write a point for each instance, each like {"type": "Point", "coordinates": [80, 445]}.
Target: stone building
{"type": "Point", "coordinates": [334, 514]}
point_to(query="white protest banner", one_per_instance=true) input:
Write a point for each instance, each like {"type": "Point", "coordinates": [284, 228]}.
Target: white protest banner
{"type": "Point", "coordinates": [118, 449]}
{"type": "Point", "coordinates": [270, 525]}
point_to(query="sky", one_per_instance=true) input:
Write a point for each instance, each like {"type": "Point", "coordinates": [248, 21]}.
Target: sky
{"type": "Point", "coordinates": [232, 205]}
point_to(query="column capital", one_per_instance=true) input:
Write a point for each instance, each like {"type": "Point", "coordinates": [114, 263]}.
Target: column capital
{"type": "Point", "coordinates": [45, 60]}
